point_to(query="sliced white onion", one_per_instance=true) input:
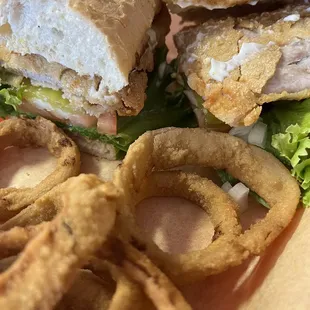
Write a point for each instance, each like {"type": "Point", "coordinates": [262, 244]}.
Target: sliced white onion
{"type": "Point", "coordinates": [240, 193]}
{"type": "Point", "coordinates": [161, 70]}
{"type": "Point", "coordinates": [241, 132]}
{"type": "Point", "coordinates": [191, 97]}
{"type": "Point", "coordinates": [258, 135]}
{"type": "Point", "coordinates": [226, 187]}
{"type": "Point", "coordinates": [201, 118]}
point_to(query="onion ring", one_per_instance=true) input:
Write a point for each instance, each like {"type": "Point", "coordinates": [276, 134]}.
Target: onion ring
{"type": "Point", "coordinates": [15, 239]}
{"type": "Point", "coordinates": [200, 191]}
{"type": "Point", "coordinates": [39, 133]}
{"type": "Point", "coordinates": [5, 263]}
{"type": "Point", "coordinates": [87, 289]}
{"type": "Point", "coordinates": [260, 171]}
{"type": "Point", "coordinates": [155, 284]}
{"type": "Point", "coordinates": [218, 205]}
{"type": "Point", "coordinates": [203, 192]}
{"type": "Point", "coordinates": [42, 210]}
{"type": "Point", "coordinates": [87, 292]}
{"type": "Point", "coordinates": [128, 295]}
{"type": "Point", "coordinates": [50, 261]}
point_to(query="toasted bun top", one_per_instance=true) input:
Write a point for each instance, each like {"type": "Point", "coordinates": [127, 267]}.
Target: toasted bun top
{"type": "Point", "coordinates": [181, 6]}
{"type": "Point", "coordinates": [95, 37]}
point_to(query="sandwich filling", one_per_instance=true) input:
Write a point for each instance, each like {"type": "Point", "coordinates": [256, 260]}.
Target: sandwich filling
{"type": "Point", "coordinates": [252, 73]}
{"type": "Point", "coordinates": [162, 108]}
{"type": "Point", "coordinates": [58, 93]}
{"type": "Point", "coordinates": [238, 64]}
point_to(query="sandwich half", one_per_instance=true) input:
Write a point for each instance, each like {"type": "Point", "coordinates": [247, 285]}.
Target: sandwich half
{"type": "Point", "coordinates": [253, 73]}
{"type": "Point", "coordinates": [82, 64]}
{"type": "Point", "coordinates": [236, 65]}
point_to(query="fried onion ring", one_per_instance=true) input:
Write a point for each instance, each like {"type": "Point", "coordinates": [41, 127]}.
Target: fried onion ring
{"type": "Point", "coordinates": [51, 260]}
{"type": "Point", "coordinates": [260, 171]}
{"type": "Point", "coordinates": [14, 240]}
{"type": "Point", "coordinates": [128, 295]}
{"type": "Point", "coordinates": [42, 210]}
{"type": "Point", "coordinates": [88, 292]}
{"type": "Point", "coordinates": [155, 284]}
{"type": "Point", "coordinates": [39, 133]}
{"type": "Point", "coordinates": [218, 205]}
{"type": "Point", "coordinates": [221, 208]}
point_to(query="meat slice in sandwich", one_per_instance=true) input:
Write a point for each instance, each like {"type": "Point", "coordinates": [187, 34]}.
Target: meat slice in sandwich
{"type": "Point", "coordinates": [236, 65]}
{"type": "Point", "coordinates": [82, 64]}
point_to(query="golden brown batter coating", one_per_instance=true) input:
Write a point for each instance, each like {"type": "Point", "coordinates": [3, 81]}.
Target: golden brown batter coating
{"type": "Point", "coordinates": [238, 64]}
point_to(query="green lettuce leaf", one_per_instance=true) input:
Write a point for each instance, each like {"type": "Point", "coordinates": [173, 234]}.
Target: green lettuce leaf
{"type": "Point", "coordinates": [162, 109]}
{"type": "Point", "coordinates": [10, 99]}
{"type": "Point", "coordinates": [289, 139]}
{"type": "Point", "coordinates": [306, 198]}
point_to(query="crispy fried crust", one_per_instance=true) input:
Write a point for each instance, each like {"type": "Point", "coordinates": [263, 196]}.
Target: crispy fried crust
{"type": "Point", "coordinates": [200, 15]}
{"type": "Point", "coordinates": [43, 209]}
{"type": "Point", "coordinates": [133, 96]}
{"type": "Point", "coordinates": [182, 6]}
{"type": "Point", "coordinates": [88, 292]}
{"type": "Point", "coordinates": [82, 91]}
{"type": "Point", "coordinates": [38, 133]}
{"type": "Point", "coordinates": [51, 260]}
{"type": "Point", "coordinates": [209, 4]}
{"type": "Point", "coordinates": [203, 192]}
{"type": "Point", "coordinates": [98, 294]}
{"type": "Point", "coordinates": [128, 295]}
{"type": "Point", "coordinates": [135, 276]}
{"type": "Point", "coordinates": [238, 98]}
{"type": "Point", "coordinates": [15, 239]}
{"type": "Point", "coordinates": [139, 268]}
{"type": "Point", "coordinates": [169, 148]}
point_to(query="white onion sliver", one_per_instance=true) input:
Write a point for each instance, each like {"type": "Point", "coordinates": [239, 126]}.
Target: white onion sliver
{"type": "Point", "coordinates": [258, 135]}
{"type": "Point", "coordinates": [240, 193]}
{"type": "Point", "coordinates": [191, 97]}
{"type": "Point", "coordinates": [201, 119]}
{"type": "Point", "coordinates": [241, 132]}
{"type": "Point", "coordinates": [226, 187]}
{"type": "Point", "coordinates": [161, 70]}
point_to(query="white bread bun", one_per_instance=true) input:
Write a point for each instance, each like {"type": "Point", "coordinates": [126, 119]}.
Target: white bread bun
{"type": "Point", "coordinates": [95, 37]}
